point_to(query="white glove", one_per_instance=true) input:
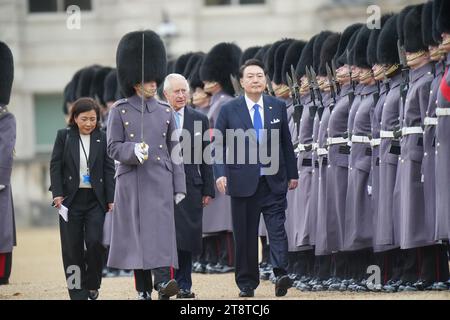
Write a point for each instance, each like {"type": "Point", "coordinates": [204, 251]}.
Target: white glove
{"type": "Point", "coordinates": [369, 190]}
{"type": "Point", "coordinates": [2, 187]}
{"type": "Point", "coordinates": [179, 197]}
{"type": "Point", "coordinates": [140, 152]}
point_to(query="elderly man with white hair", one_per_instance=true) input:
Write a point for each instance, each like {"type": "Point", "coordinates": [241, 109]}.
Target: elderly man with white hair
{"type": "Point", "coordinates": [193, 127]}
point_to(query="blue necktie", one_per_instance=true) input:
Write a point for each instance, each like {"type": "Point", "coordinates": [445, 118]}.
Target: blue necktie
{"type": "Point", "coordinates": [258, 125]}
{"type": "Point", "coordinates": [178, 120]}
{"type": "Point", "coordinates": [257, 122]}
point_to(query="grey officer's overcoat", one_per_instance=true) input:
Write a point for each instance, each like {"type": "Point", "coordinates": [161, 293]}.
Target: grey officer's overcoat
{"type": "Point", "coordinates": [305, 225]}
{"type": "Point", "coordinates": [7, 143]}
{"type": "Point", "coordinates": [359, 214]}
{"type": "Point", "coordinates": [337, 171]}
{"type": "Point", "coordinates": [416, 229]}
{"type": "Point", "coordinates": [442, 162]}
{"type": "Point", "coordinates": [387, 225]}
{"type": "Point", "coordinates": [143, 225]}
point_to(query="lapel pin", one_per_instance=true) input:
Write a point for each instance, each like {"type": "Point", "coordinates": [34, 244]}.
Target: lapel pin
{"type": "Point", "coordinates": [270, 108]}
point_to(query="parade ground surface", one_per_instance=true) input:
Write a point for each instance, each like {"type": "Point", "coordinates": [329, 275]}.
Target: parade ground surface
{"type": "Point", "coordinates": [37, 274]}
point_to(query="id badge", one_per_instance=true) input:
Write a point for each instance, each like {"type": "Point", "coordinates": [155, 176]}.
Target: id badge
{"type": "Point", "coordinates": [86, 179]}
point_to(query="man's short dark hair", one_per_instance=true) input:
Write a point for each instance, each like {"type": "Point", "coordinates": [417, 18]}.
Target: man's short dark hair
{"type": "Point", "coordinates": [248, 63]}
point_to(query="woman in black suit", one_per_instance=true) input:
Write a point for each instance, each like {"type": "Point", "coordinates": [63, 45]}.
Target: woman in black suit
{"type": "Point", "coordinates": [82, 180]}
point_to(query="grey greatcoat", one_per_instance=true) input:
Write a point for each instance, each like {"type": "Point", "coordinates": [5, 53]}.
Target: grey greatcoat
{"type": "Point", "coordinates": [306, 226]}
{"type": "Point", "coordinates": [7, 143]}
{"type": "Point", "coordinates": [442, 164]}
{"type": "Point", "coordinates": [217, 215]}
{"type": "Point", "coordinates": [337, 171]}
{"type": "Point", "coordinates": [143, 226]}
{"type": "Point", "coordinates": [314, 196]}
{"type": "Point", "coordinates": [387, 230]}
{"type": "Point", "coordinates": [375, 173]}
{"type": "Point", "coordinates": [323, 227]}
{"type": "Point", "coordinates": [359, 213]}
{"type": "Point", "coordinates": [292, 203]}
{"type": "Point", "coordinates": [429, 156]}
{"type": "Point", "coordinates": [416, 229]}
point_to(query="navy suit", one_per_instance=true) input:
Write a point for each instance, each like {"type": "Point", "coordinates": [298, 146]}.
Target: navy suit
{"type": "Point", "coordinates": [252, 193]}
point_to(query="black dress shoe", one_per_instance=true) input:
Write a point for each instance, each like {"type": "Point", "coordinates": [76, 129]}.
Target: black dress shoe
{"type": "Point", "coordinates": [440, 286]}
{"type": "Point", "coordinates": [144, 295]}
{"type": "Point", "coordinates": [422, 285]}
{"type": "Point", "coordinates": [93, 294]}
{"type": "Point", "coordinates": [167, 289]}
{"type": "Point", "coordinates": [185, 294]}
{"type": "Point", "coordinates": [247, 293]}
{"type": "Point", "coordinates": [407, 286]}
{"type": "Point", "coordinates": [282, 285]}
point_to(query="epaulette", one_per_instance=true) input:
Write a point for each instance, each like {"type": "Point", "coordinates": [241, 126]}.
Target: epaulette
{"type": "Point", "coordinates": [163, 103]}
{"type": "Point", "coordinates": [119, 102]}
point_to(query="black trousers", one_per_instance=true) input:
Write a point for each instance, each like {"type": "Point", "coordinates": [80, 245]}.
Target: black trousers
{"type": "Point", "coordinates": [183, 275]}
{"type": "Point", "coordinates": [265, 250]}
{"type": "Point", "coordinates": [5, 267]}
{"type": "Point", "coordinates": [246, 212]}
{"type": "Point", "coordinates": [434, 263]}
{"type": "Point", "coordinates": [358, 261]}
{"type": "Point", "coordinates": [390, 263]}
{"type": "Point", "coordinates": [226, 248]}
{"type": "Point", "coordinates": [340, 265]}
{"type": "Point", "coordinates": [323, 267]}
{"type": "Point", "coordinates": [143, 278]}
{"type": "Point", "coordinates": [84, 230]}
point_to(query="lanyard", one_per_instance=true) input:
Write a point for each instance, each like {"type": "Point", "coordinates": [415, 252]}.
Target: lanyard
{"type": "Point", "coordinates": [85, 154]}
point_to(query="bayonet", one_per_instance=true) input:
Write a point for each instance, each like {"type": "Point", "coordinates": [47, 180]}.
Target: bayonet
{"type": "Point", "coordinates": [351, 94]}
{"type": "Point", "coordinates": [334, 72]}
{"type": "Point", "coordinates": [313, 108]}
{"type": "Point", "coordinates": [236, 86]}
{"type": "Point", "coordinates": [316, 86]}
{"type": "Point", "coordinates": [298, 107]}
{"type": "Point", "coordinates": [405, 71]}
{"type": "Point", "coordinates": [332, 83]}
{"type": "Point", "coordinates": [269, 86]}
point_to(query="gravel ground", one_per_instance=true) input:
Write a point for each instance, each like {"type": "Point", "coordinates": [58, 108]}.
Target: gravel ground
{"type": "Point", "coordinates": [38, 275]}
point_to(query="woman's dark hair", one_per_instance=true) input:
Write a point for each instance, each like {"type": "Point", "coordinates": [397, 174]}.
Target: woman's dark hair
{"type": "Point", "coordinates": [83, 105]}
{"type": "Point", "coordinates": [248, 63]}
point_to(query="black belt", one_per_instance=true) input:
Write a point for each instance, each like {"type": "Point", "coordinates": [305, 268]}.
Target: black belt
{"type": "Point", "coordinates": [344, 149]}
{"type": "Point", "coordinates": [307, 163]}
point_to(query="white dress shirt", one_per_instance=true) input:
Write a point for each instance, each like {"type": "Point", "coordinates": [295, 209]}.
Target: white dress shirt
{"type": "Point", "coordinates": [251, 110]}
{"type": "Point", "coordinates": [83, 163]}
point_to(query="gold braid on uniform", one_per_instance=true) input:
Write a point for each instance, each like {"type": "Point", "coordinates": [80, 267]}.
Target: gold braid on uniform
{"type": "Point", "coordinates": [281, 90]}
{"type": "Point", "coordinates": [392, 69]}
{"type": "Point", "coordinates": [146, 93]}
{"type": "Point", "coordinates": [437, 53]}
{"type": "Point", "coordinates": [379, 72]}
{"type": "Point", "coordinates": [324, 85]}
{"type": "Point", "coordinates": [304, 88]}
{"type": "Point", "coordinates": [416, 55]}
{"type": "Point", "coordinates": [210, 85]}
{"type": "Point", "coordinates": [446, 42]}
{"type": "Point", "coordinates": [366, 75]}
